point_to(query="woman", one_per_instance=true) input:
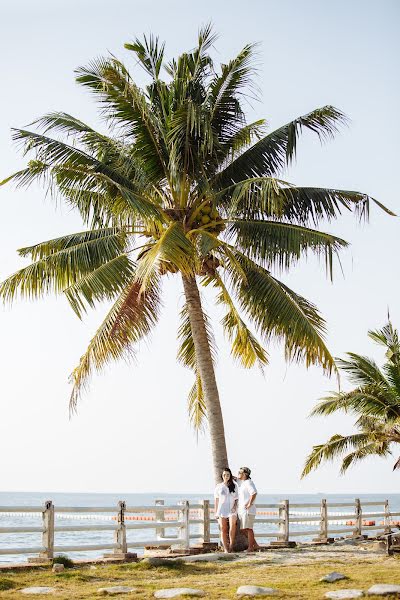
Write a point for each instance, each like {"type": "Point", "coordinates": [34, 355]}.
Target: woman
{"type": "Point", "coordinates": [226, 500]}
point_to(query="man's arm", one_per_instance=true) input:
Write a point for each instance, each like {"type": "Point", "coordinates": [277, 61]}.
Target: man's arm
{"type": "Point", "coordinates": [250, 502]}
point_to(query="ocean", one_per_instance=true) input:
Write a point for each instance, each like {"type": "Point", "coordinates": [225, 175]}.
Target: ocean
{"type": "Point", "coordinates": [26, 540]}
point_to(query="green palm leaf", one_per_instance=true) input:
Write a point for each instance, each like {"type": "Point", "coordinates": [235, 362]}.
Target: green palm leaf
{"type": "Point", "coordinates": [278, 244]}
{"type": "Point", "coordinates": [130, 319]}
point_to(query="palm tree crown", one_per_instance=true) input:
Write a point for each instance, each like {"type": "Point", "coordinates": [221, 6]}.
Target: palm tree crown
{"type": "Point", "coordinates": [182, 184]}
{"type": "Point", "coordinates": [375, 402]}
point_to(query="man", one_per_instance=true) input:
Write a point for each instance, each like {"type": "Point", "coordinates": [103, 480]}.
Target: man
{"type": "Point", "coordinates": [246, 507]}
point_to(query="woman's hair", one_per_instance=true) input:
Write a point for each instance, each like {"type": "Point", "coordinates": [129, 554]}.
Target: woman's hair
{"type": "Point", "coordinates": [231, 483]}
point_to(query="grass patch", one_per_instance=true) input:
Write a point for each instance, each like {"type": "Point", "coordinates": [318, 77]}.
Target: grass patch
{"type": "Point", "coordinates": [6, 584]}
{"type": "Point", "coordinates": [219, 580]}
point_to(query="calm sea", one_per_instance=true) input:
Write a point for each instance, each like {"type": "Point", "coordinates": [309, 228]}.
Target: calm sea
{"type": "Point", "coordinates": [25, 540]}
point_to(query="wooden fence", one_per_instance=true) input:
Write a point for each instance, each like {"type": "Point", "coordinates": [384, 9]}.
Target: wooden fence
{"type": "Point", "coordinates": [191, 522]}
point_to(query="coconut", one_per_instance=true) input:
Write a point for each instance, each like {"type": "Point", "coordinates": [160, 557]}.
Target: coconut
{"type": "Point", "coordinates": [205, 219]}
{"type": "Point", "coordinates": [206, 209]}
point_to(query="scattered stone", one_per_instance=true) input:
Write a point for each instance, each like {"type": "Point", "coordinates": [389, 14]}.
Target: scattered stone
{"type": "Point", "coordinates": [332, 577]}
{"type": "Point", "coordinates": [384, 589]}
{"type": "Point", "coordinates": [177, 592]}
{"type": "Point", "coordinates": [255, 590]}
{"type": "Point", "coordinates": [93, 568]}
{"type": "Point", "coordinates": [344, 594]}
{"type": "Point", "coordinates": [117, 589]}
{"type": "Point", "coordinates": [58, 568]}
{"type": "Point", "coordinates": [156, 561]}
{"type": "Point", "coordinates": [38, 590]}
{"type": "Point", "coordinates": [202, 557]}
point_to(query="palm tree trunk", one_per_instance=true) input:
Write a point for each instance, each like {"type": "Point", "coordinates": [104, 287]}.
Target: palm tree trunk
{"type": "Point", "coordinates": [207, 376]}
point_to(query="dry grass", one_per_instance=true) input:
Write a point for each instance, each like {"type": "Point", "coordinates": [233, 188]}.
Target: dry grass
{"type": "Point", "coordinates": [219, 580]}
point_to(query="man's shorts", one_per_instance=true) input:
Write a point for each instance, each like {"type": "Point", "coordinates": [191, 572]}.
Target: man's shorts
{"type": "Point", "coordinates": [246, 520]}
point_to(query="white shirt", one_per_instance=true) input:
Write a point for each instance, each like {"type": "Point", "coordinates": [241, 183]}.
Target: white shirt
{"type": "Point", "coordinates": [246, 490]}
{"type": "Point", "coordinates": [226, 500]}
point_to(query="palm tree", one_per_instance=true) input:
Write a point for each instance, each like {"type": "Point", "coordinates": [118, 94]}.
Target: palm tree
{"type": "Point", "coordinates": [375, 402]}
{"type": "Point", "coordinates": [182, 184]}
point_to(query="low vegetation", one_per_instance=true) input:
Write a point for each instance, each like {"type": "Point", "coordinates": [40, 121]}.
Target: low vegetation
{"type": "Point", "coordinates": [219, 580]}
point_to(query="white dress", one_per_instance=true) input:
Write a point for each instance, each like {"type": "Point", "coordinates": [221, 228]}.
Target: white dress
{"type": "Point", "coordinates": [226, 500]}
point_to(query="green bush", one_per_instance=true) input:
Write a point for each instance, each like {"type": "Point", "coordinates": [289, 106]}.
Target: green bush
{"type": "Point", "coordinates": [7, 584]}
{"type": "Point", "coordinates": [63, 560]}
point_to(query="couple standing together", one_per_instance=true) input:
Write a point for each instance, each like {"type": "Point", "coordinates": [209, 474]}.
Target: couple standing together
{"type": "Point", "coordinates": [234, 500]}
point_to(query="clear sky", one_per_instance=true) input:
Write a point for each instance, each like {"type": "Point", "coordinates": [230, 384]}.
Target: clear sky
{"type": "Point", "coordinates": [132, 432]}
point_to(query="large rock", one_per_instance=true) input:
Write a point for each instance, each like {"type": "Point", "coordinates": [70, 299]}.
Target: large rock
{"type": "Point", "coordinates": [115, 590]}
{"type": "Point", "coordinates": [38, 590]}
{"type": "Point", "coordinates": [255, 590]}
{"type": "Point", "coordinates": [384, 589]}
{"type": "Point", "coordinates": [332, 577]}
{"type": "Point", "coordinates": [344, 594]}
{"type": "Point", "coordinates": [177, 592]}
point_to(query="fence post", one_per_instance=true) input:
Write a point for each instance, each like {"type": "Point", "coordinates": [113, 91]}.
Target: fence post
{"type": "Point", "coordinates": [284, 525]}
{"type": "Point", "coordinates": [323, 524]}
{"type": "Point", "coordinates": [206, 521]}
{"type": "Point", "coordinates": [160, 516]}
{"type": "Point", "coordinates": [387, 518]}
{"type": "Point", "coordinates": [185, 527]}
{"type": "Point", "coordinates": [120, 533]}
{"type": "Point", "coordinates": [358, 512]}
{"type": "Point", "coordinates": [48, 533]}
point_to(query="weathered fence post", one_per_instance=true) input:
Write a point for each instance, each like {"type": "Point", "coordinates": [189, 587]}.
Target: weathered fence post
{"type": "Point", "coordinates": [160, 516]}
{"type": "Point", "coordinates": [387, 518]}
{"type": "Point", "coordinates": [358, 512]}
{"type": "Point", "coordinates": [284, 524]}
{"type": "Point", "coordinates": [120, 532]}
{"type": "Point", "coordinates": [323, 524]}
{"type": "Point", "coordinates": [47, 534]}
{"type": "Point", "coordinates": [206, 521]}
{"type": "Point", "coordinates": [184, 529]}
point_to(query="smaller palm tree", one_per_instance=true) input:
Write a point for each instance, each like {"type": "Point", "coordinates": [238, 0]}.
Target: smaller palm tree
{"type": "Point", "coordinates": [375, 402]}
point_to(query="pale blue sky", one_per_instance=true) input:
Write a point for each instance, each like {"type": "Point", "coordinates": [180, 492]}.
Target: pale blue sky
{"type": "Point", "coordinates": [132, 432]}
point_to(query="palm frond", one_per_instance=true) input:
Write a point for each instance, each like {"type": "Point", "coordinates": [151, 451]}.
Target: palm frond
{"type": "Point", "coordinates": [130, 319]}
{"type": "Point", "coordinates": [187, 356]}
{"type": "Point", "coordinates": [332, 449]}
{"type": "Point", "coordinates": [278, 312]}
{"type": "Point", "coordinates": [278, 244]}
{"type": "Point", "coordinates": [124, 103]}
{"type": "Point", "coordinates": [173, 248]}
{"type": "Point", "coordinates": [362, 370]}
{"type": "Point", "coordinates": [103, 283]}
{"type": "Point", "coordinates": [196, 405]}
{"type": "Point", "coordinates": [246, 349]}
{"type": "Point", "coordinates": [58, 269]}
{"type": "Point", "coordinates": [273, 152]}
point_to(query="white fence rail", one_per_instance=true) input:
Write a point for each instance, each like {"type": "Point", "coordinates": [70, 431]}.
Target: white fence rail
{"type": "Point", "coordinates": [290, 521]}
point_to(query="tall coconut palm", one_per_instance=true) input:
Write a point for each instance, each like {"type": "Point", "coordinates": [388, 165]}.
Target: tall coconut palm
{"type": "Point", "coordinates": [182, 184]}
{"type": "Point", "coordinates": [375, 402]}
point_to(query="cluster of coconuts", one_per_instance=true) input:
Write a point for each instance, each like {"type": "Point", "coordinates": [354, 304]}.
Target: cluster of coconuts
{"type": "Point", "coordinates": [209, 217]}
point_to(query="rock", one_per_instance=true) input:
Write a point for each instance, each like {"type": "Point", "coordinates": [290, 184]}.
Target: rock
{"type": "Point", "coordinates": [116, 589]}
{"type": "Point", "coordinates": [93, 568]}
{"type": "Point", "coordinates": [201, 557]}
{"type": "Point", "coordinates": [177, 592]}
{"type": "Point", "coordinates": [38, 590]}
{"type": "Point", "coordinates": [155, 561]}
{"type": "Point", "coordinates": [58, 568]}
{"type": "Point", "coordinates": [332, 577]}
{"type": "Point", "coordinates": [344, 594]}
{"type": "Point", "coordinates": [255, 590]}
{"type": "Point", "coordinates": [384, 589]}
